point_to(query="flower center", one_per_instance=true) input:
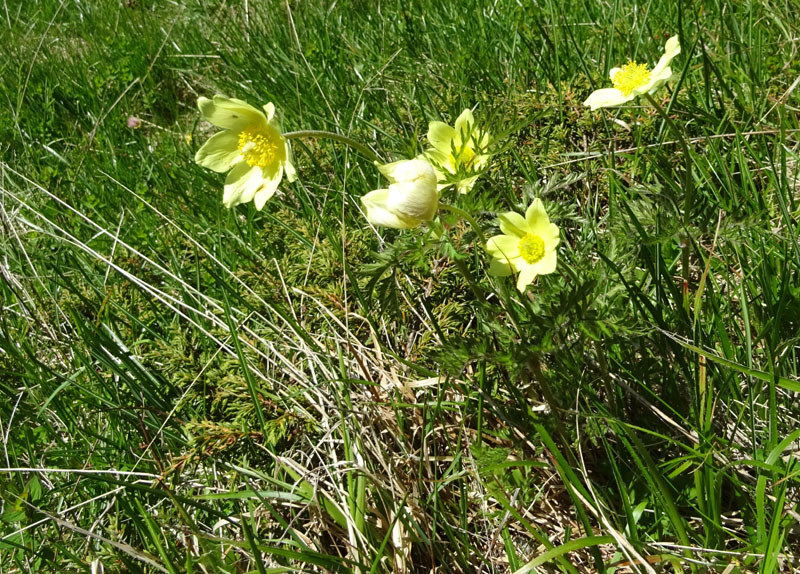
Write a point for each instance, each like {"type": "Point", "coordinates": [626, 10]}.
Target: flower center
{"type": "Point", "coordinates": [464, 157]}
{"type": "Point", "coordinates": [259, 146]}
{"type": "Point", "coordinates": [531, 248]}
{"type": "Point", "coordinates": [630, 77]}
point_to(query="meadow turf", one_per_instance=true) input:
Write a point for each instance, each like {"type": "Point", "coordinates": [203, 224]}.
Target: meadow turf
{"type": "Point", "coordinates": [190, 388]}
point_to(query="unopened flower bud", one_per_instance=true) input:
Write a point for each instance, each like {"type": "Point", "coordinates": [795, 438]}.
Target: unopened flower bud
{"type": "Point", "coordinates": [410, 199]}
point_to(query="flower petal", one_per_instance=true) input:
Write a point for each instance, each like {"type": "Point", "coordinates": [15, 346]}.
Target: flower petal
{"type": "Point", "coordinates": [546, 264]}
{"type": "Point", "coordinates": [273, 123]}
{"type": "Point", "coordinates": [441, 135]}
{"type": "Point", "coordinates": [441, 167]}
{"type": "Point", "coordinates": [512, 223]}
{"type": "Point", "coordinates": [288, 164]}
{"type": "Point", "coordinates": [389, 170]}
{"type": "Point", "coordinates": [267, 190]}
{"type": "Point", "coordinates": [465, 127]}
{"type": "Point", "coordinates": [230, 113]}
{"type": "Point", "coordinates": [503, 247]}
{"type": "Point", "coordinates": [539, 224]}
{"type": "Point", "coordinates": [377, 213]}
{"type": "Point", "coordinates": [537, 217]}
{"type": "Point", "coordinates": [671, 49]}
{"type": "Point", "coordinates": [551, 237]}
{"type": "Point", "coordinates": [526, 276]}
{"type": "Point", "coordinates": [479, 162]}
{"type": "Point", "coordinates": [440, 162]}
{"type": "Point", "coordinates": [465, 185]}
{"type": "Point", "coordinates": [500, 268]}
{"type": "Point", "coordinates": [606, 98]}
{"type": "Point", "coordinates": [241, 185]}
{"type": "Point", "coordinates": [413, 199]}
{"type": "Point", "coordinates": [655, 83]}
{"type": "Point", "coordinates": [409, 170]}
{"type": "Point", "coordinates": [613, 72]}
{"type": "Point", "coordinates": [481, 143]}
{"type": "Point", "coordinates": [269, 110]}
{"type": "Point", "coordinates": [220, 152]}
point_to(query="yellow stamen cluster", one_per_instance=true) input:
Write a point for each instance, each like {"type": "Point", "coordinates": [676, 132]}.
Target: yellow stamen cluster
{"type": "Point", "coordinates": [258, 146]}
{"type": "Point", "coordinates": [631, 77]}
{"type": "Point", "coordinates": [531, 248]}
{"type": "Point", "coordinates": [464, 157]}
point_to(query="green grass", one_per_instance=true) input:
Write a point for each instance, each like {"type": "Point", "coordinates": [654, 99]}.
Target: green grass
{"type": "Point", "coordinates": [188, 388]}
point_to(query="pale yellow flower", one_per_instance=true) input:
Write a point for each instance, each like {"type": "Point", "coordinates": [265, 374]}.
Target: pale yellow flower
{"type": "Point", "coordinates": [633, 80]}
{"type": "Point", "coordinates": [527, 246]}
{"type": "Point", "coordinates": [251, 146]}
{"type": "Point", "coordinates": [410, 199]}
{"type": "Point", "coordinates": [459, 153]}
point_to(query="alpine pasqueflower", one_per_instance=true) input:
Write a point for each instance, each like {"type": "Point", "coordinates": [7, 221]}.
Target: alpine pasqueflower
{"type": "Point", "coordinates": [632, 80]}
{"type": "Point", "coordinates": [410, 199]}
{"type": "Point", "coordinates": [251, 146]}
{"type": "Point", "coordinates": [527, 246]}
{"type": "Point", "coordinates": [458, 152]}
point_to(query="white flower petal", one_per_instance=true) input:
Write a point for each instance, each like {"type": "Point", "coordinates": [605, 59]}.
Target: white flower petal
{"type": "Point", "coordinates": [465, 127]}
{"type": "Point", "coordinates": [536, 217]}
{"type": "Point", "coordinates": [230, 113]}
{"type": "Point", "coordinates": [671, 49]}
{"type": "Point", "coordinates": [500, 268]}
{"type": "Point", "coordinates": [606, 98]}
{"type": "Point", "coordinates": [220, 152]}
{"type": "Point", "coordinates": [241, 185]}
{"type": "Point", "coordinates": [441, 136]}
{"type": "Point", "coordinates": [547, 264]}
{"type": "Point", "coordinates": [377, 213]}
{"type": "Point", "coordinates": [440, 163]}
{"type": "Point", "coordinates": [551, 237]}
{"type": "Point", "coordinates": [526, 276]}
{"type": "Point", "coordinates": [655, 83]}
{"type": "Point", "coordinates": [512, 223]}
{"type": "Point", "coordinates": [267, 189]}
{"type": "Point", "coordinates": [503, 247]}
{"type": "Point", "coordinates": [416, 200]}
{"type": "Point", "coordinates": [465, 185]}
{"type": "Point", "coordinates": [409, 170]}
{"type": "Point", "coordinates": [288, 165]}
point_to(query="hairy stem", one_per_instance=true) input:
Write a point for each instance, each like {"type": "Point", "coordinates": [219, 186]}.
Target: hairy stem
{"type": "Point", "coordinates": [361, 148]}
{"type": "Point", "coordinates": [475, 225]}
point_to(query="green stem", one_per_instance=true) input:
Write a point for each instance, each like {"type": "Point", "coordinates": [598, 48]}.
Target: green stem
{"type": "Point", "coordinates": [364, 150]}
{"type": "Point", "coordinates": [475, 226]}
{"type": "Point", "coordinates": [688, 193]}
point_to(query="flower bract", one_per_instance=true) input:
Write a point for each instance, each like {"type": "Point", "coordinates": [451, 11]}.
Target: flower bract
{"type": "Point", "coordinates": [633, 80]}
{"type": "Point", "coordinates": [410, 199]}
{"type": "Point", "coordinates": [527, 245]}
{"type": "Point", "coordinates": [251, 146]}
{"type": "Point", "coordinates": [458, 153]}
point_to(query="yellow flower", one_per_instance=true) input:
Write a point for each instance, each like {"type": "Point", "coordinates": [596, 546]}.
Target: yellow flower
{"type": "Point", "coordinates": [251, 146]}
{"type": "Point", "coordinates": [632, 80]}
{"type": "Point", "coordinates": [527, 246]}
{"type": "Point", "coordinates": [410, 199]}
{"type": "Point", "coordinates": [458, 153]}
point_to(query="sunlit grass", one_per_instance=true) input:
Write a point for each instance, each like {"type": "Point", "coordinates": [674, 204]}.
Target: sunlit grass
{"type": "Point", "coordinates": [190, 388]}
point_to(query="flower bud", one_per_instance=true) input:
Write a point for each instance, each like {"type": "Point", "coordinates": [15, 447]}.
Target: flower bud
{"type": "Point", "coordinates": [410, 199]}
